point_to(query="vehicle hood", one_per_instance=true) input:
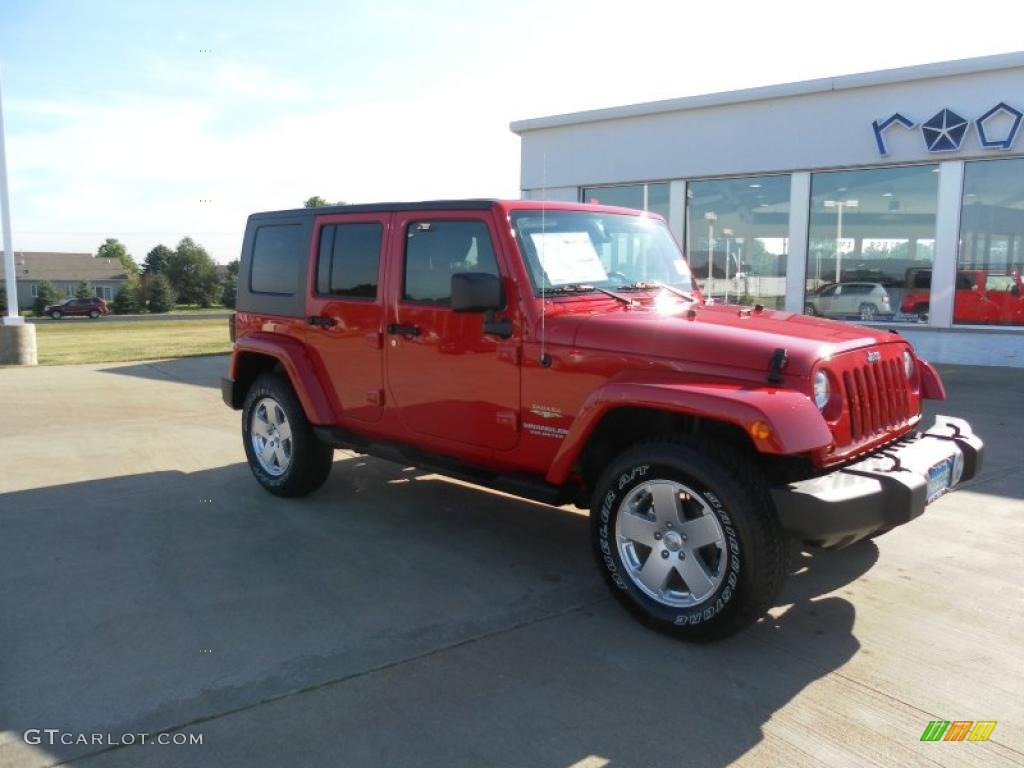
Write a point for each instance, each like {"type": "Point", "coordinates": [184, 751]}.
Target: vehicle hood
{"type": "Point", "coordinates": [725, 335]}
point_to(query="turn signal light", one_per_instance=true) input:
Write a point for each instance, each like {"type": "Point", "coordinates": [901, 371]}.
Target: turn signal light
{"type": "Point", "coordinates": [760, 430]}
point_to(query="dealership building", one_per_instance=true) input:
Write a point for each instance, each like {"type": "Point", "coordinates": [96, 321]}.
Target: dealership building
{"type": "Point", "coordinates": [893, 198]}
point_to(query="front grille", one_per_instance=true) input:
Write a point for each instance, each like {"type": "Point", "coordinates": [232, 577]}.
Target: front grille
{"type": "Point", "coordinates": [878, 396]}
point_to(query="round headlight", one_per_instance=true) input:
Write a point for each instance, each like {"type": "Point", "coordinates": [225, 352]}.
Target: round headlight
{"type": "Point", "coordinates": [822, 391]}
{"type": "Point", "coordinates": [908, 363]}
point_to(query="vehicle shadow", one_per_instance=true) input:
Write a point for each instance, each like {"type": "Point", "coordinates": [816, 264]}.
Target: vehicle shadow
{"type": "Point", "coordinates": [149, 602]}
{"type": "Point", "coordinates": [199, 371]}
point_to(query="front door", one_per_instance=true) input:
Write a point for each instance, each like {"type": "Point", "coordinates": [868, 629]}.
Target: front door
{"type": "Point", "coordinates": [447, 378]}
{"type": "Point", "coordinates": [346, 309]}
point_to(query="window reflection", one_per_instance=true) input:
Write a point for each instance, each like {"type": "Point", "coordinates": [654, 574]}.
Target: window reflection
{"type": "Point", "coordinates": [871, 243]}
{"type": "Point", "coordinates": [989, 287]}
{"type": "Point", "coordinates": [737, 238]}
{"type": "Point", "coordinates": [651, 197]}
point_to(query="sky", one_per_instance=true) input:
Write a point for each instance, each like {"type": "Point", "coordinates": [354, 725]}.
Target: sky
{"type": "Point", "coordinates": [150, 121]}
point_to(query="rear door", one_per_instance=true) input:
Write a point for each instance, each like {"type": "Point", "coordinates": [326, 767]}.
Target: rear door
{"type": "Point", "coordinates": [345, 310]}
{"type": "Point", "coordinates": [447, 378]}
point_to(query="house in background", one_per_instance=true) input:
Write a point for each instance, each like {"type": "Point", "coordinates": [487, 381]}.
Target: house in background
{"type": "Point", "coordinates": [65, 271]}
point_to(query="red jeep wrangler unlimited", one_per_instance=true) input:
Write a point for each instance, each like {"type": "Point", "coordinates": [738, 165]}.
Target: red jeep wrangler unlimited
{"type": "Point", "coordinates": [562, 352]}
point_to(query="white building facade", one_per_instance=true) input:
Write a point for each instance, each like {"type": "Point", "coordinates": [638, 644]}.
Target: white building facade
{"type": "Point", "coordinates": [892, 198]}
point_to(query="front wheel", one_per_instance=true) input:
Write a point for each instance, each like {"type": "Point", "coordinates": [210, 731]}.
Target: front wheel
{"type": "Point", "coordinates": [686, 539]}
{"type": "Point", "coordinates": [56, 315]}
{"type": "Point", "coordinates": [809, 309]}
{"type": "Point", "coordinates": [284, 454]}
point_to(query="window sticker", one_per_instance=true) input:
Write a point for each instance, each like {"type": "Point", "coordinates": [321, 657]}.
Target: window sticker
{"type": "Point", "coordinates": [568, 257]}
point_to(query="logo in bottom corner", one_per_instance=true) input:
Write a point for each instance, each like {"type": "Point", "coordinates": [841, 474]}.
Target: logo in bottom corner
{"type": "Point", "coordinates": [958, 730]}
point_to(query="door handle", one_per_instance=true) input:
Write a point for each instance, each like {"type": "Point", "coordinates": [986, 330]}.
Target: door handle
{"type": "Point", "coordinates": [324, 321]}
{"type": "Point", "coordinates": [396, 329]}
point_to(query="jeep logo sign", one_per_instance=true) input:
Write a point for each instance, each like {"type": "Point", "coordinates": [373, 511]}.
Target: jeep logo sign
{"type": "Point", "coordinates": [946, 130]}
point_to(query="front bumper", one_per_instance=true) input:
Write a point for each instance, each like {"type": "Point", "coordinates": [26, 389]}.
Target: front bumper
{"type": "Point", "coordinates": [888, 488]}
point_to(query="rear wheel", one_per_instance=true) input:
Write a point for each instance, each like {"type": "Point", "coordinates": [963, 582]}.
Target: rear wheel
{"type": "Point", "coordinates": [868, 311]}
{"type": "Point", "coordinates": [686, 539]}
{"type": "Point", "coordinates": [284, 454]}
{"type": "Point", "coordinates": [94, 314]}
{"type": "Point", "coordinates": [921, 310]}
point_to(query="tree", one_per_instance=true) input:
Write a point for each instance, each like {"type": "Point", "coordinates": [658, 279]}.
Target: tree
{"type": "Point", "coordinates": [318, 202]}
{"type": "Point", "coordinates": [159, 294]}
{"type": "Point", "coordinates": [83, 291]}
{"type": "Point", "coordinates": [156, 260]}
{"type": "Point", "coordinates": [128, 301]}
{"type": "Point", "coordinates": [229, 292]}
{"type": "Point", "coordinates": [193, 274]}
{"type": "Point", "coordinates": [113, 248]}
{"type": "Point", "coordinates": [45, 294]}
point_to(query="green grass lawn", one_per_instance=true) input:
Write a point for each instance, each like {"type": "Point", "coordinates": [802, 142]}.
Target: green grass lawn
{"type": "Point", "coordinates": [108, 341]}
{"type": "Point", "coordinates": [194, 309]}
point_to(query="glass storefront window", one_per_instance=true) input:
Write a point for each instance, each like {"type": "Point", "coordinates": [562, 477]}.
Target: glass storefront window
{"type": "Point", "coordinates": [991, 258]}
{"type": "Point", "coordinates": [871, 243]}
{"type": "Point", "coordinates": [737, 238]}
{"type": "Point", "coordinates": [651, 197]}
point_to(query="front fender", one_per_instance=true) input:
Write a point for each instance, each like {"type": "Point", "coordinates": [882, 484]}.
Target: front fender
{"type": "Point", "coordinates": [296, 362]}
{"type": "Point", "coordinates": [796, 424]}
{"type": "Point", "coordinates": [932, 387]}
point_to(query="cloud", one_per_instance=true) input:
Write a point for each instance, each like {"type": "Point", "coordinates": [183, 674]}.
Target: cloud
{"type": "Point", "coordinates": [137, 169]}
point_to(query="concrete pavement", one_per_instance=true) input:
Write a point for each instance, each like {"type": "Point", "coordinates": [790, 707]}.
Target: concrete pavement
{"type": "Point", "coordinates": [395, 618]}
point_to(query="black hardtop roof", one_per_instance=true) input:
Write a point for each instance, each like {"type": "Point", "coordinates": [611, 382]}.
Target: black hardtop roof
{"type": "Point", "coordinates": [425, 205]}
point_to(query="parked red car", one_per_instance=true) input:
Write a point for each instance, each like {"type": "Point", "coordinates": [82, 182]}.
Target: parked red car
{"type": "Point", "coordinates": [91, 307]}
{"type": "Point", "coordinates": [563, 352]}
{"type": "Point", "coordinates": [980, 297]}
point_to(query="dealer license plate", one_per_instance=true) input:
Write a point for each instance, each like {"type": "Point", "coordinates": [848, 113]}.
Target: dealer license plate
{"type": "Point", "coordinates": [940, 477]}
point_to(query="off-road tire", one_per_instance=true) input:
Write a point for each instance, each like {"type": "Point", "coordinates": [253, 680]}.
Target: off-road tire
{"type": "Point", "coordinates": [310, 460]}
{"type": "Point", "coordinates": [754, 553]}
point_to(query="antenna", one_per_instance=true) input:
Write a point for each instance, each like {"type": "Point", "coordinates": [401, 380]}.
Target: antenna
{"type": "Point", "coordinates": [544, 360]}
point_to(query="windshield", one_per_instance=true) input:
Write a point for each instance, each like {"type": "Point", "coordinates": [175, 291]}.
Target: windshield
{"type": "Point", "coordinates": [585, 249]}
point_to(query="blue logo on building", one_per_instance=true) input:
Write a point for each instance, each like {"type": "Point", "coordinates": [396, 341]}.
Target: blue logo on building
{"type": "Point", "coordinates": [992, 142]}
{"type": "Point", "coordinates": [945, 131]}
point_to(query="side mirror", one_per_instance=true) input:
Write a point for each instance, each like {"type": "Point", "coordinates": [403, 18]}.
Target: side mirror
{"type": "Point", "coordinates": [476, 292]}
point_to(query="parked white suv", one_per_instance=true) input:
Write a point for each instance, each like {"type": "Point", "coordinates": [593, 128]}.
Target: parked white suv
{"type": "Point", "coordinates": [843, 300]}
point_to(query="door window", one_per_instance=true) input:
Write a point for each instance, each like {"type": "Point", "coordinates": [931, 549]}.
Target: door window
{"type": "Point", "coordinates": [436, 250]}
{"type": "Point", "coordinates": [349, 260]}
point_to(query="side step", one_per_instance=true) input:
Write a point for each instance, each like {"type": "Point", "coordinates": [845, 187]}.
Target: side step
{"type": "Point", "coordinates": [517, 484]}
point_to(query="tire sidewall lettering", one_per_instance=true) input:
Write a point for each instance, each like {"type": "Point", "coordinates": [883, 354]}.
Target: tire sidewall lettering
{"type": "Point", "coordinates": [610, 501]}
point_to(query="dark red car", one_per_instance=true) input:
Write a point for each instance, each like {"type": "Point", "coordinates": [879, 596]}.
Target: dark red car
{"type": "Point", "coordinates": [91, 307]}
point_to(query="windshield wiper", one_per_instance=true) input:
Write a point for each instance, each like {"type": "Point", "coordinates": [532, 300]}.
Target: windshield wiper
{"type": "Point", "coordinates": [570, 288]}
{"type": "Point", "coordinates": [651, 285]}
{"type": "Point", "coordinates": [624, 299]}
{"type": "Point", "coordinates": [588, 288]}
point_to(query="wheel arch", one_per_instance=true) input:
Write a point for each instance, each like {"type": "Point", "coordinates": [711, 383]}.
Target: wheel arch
{"type": "Point", "coordinates": [622, 413]}
{"type": "Point", "coordinates": [263, 353]}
